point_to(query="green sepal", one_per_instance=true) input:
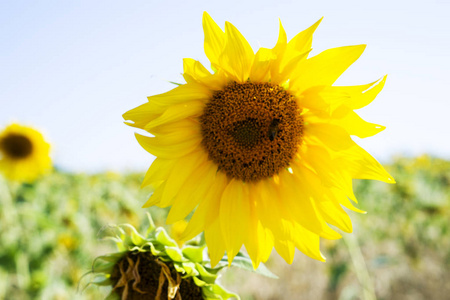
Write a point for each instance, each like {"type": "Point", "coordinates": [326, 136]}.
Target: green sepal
{"type": "Point", "coordinates": [151, 226]}
{"type": "Point", "coordinates": [163, 238]}
{"type": "Point", "coordinates": [105, 263]}
{"type": "Point", "coordinates": [132, 239]}
{"type": "Point", "coordinates": [179, 268]}
{"type": "Point", "coordinates": [113, 296]}
{"type": "Point", "coordinates": [112, 257]}
{"type": "Point", "coordinates": [199, 282]}
{"type": "Point", "coordinates": [190, 269]}
{"type": "Point", "coordinates": [195, 254]}
{"type": "Point", "coordinates": [205, 274]}
{"type": "Point", "coordinates": [174, 253]}
{"type": "Point", "coordinates": [153, 250]}
{"type": "Point", "coordinates": [102, 281]}
{"type": "Point", "coordinates": [103, 268]}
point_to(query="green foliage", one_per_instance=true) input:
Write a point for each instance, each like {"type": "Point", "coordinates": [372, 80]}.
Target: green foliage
{"type": "Point", "coordinates": [49, 230]}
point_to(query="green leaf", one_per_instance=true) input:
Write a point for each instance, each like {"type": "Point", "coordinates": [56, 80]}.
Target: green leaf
{"type": "Point", "coordinates": [219, 290]}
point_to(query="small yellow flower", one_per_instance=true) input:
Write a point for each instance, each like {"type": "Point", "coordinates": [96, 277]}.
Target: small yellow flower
{"type": "Point", "coordinates": [68, 241]}
{"type": "Point", "coordinates": [261, 147]}
{"type": "Point", "coordinates": [24, 154]}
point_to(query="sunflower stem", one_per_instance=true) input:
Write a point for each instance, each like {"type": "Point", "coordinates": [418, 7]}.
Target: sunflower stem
{"type": "Point", "coordinates": [359, 264]}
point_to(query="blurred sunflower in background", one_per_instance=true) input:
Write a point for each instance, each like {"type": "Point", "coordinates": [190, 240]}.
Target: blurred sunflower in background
{"type": "Point", "coordinates": [261, 147]}
{"type": "Point", "coordinates": [24, 153]}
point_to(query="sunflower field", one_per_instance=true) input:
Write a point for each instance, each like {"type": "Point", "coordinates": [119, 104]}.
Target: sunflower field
{"type": "Point", "coordinates": [51, 232]}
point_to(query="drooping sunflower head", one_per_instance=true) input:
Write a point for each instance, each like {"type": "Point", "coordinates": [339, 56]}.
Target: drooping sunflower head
{"type": "Point", "coordinates": [24, 154]}
{"type": "Point", "coordinates": [261, 146]}
{"type": "Point", "coordinates": [154, 267]}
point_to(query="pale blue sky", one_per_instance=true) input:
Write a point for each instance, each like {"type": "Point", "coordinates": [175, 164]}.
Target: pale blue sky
{"type": "Point", "coordinates": [72, 68]}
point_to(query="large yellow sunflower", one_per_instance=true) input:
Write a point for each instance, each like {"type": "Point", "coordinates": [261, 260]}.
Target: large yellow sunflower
{"type": "Point", "coordinates": [24, 154]}
{"type": "Point", "coordinates": [261, 147]}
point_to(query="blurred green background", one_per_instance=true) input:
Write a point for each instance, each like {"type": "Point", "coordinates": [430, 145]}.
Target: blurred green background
{"type": "Point", "coordinates": [49, 236]}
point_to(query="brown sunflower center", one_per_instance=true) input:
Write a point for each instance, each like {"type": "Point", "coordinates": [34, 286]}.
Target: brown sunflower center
{"type": "Point", "coordinates": [251, 130]}
{"type": "Point", "coordinates": [16, 146]}
{"type": "Point", "coordinates": [141, 276]}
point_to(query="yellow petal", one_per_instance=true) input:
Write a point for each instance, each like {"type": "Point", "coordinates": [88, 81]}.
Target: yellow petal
{"type": "Point", "coordinates": [267, 208]}
{"type": "Point", "coordinates": [188, 126]}
{"type": "Point", "coordinates": [184, 168]}
{"type": "Point", "coordinates": [331, 173]}
{"type": "Point", "coordinates": [259, 244]}
{"type": "Point", "coordinates": [307, 242]}
{"type": "Point", "coordinates": [180, 94]}
{"type": "Point", "coordinates": [208, 209]}
{"type": "Point", "coordinates": [237, 57]}
{"type": "Point", "coordinates": [281, 44]}
{"type": "Point", "coordinates": [194, 71]}
{"type": "Point", "coordinates": [343, 200]}
{"type": "Point", "coordinates": [298, 194]}
{"type": "Point", "coordinates": [364, 94]}
{"type": "Point", "coordinates": [192, 192]}
{"type": "Point", "coordinates": [177, 112]}
{"type": "Point", "coordinates": [158, 104]}
{"type": "Point", "coordinates": [360, 164]}
{"type": "Point", "coordinates": [286, 249]}
{"type": "Point", "coordinates": [300, 44]}
{"type": "Point", "coordinates": [214, 241]}
{"type": "Point", "coordinates": [325, 68]}
{"type": "Point", "coordinates": [158, 171]}
{"type": "Point", "coordinates": [261, 66]}
{"type": "Point", "coordinates": [354, 125]}
{"type": "Point", "coordinates": [140, 116]}
{"type": "Point", "coordinates": [234, 216]}
{"type": "Point", "coordinates": [281, 77]}
{"type": "Point", "coordinates": [335, 215]}
{"type": "Point", "coordinates": [155, 197]}
{"type": "Point", "coordinates": [278, 52]}
{"type": "Point", "coordinates": [332, 136]}
{"type": "Point", "coordinates": [214, 39]}
{"type": "Point", "coordinates": [166, 148]}
{"type": "Point", "coordinates": [327, 99]}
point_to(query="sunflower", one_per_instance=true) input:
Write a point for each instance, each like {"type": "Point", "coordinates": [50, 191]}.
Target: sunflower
{"type": "Point", "coordinates": [24, 154]}
{"type": "Point", "coordinates": [154, 267]}
{"type": "Point", "coordinates": [261, 147]}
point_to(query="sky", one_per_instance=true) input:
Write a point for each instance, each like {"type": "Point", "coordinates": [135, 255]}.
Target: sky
{"type": "Point", "coordinates": [72, 68]}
